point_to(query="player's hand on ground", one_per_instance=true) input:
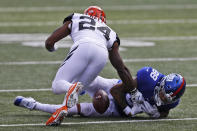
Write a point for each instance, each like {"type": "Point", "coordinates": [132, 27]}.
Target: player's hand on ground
{"type": "Point", "coordinates": [131, 112]}
{"type": "Point", "coordinates": [149, 109]}
{"type": "Point", "coordinates": [128, 111]}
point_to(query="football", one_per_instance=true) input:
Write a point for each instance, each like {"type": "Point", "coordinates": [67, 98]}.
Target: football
{"type": "Point", "coordinates": [100, 101]}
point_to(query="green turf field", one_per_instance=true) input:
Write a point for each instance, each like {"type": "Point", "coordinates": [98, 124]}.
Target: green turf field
{"type": "Point", "coordinates": [170, 24]}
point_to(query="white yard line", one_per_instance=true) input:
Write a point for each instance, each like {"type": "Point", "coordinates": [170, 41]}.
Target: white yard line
{"type": "Point", "coordinates": [25, 90]}
{"type": "Point", "coordinates": [134, 60]}
{"type": "Point", "coordinates": [49, 89]}
{"type": "Point", "coordinates": [191, 85]}
{"type": "Point", "coordinates": [31, 63]}
{"type": "Point", "coordinates": [111, 7]}
{"type": "Point", "coordinates": [23, 37]}
{"type": "Point", "coordinates": [10, 38]}
{"type": "Point", "coordinates": [101, 122]}
{"type": "Point", "coordinates": [164, 38]}
{"type": "Point", "coordinates": [159, 21]}
{"type": "Point", "coordinates": [160, 59]}
{"type": "Point", "coordinates": [122, 22]}
{"type": "Point", "coordinates": [30, 24]}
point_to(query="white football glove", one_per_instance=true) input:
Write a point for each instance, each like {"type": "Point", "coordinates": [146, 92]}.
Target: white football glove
{"type": "Point", "coordinates": [136, 109]}
{"type": "Point", "coordinates": [136, 96]}
{"type": "Point", "coordinates": [152, 111]}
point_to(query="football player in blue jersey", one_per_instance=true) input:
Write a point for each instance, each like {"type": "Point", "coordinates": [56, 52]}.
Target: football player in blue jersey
{"type": "Point", "coordinates": [160, 94]}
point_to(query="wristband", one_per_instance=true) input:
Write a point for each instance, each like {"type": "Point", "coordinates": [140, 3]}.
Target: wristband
{"type": "Point", "coordinates": [54, 48]}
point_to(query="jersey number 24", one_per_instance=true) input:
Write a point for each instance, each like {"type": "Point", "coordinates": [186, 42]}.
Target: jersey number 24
{"type": "Point", "coordinates": [91, 26]}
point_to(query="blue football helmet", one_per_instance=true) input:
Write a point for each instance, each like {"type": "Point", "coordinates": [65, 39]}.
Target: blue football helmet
{"type": "Point", "coordinates": [171, 88]}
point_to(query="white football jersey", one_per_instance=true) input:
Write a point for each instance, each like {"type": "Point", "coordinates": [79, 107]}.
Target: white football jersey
{"type": "Point", "coordinates": [85, 29]}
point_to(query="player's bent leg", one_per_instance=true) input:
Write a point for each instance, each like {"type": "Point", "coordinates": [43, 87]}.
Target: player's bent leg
{"type": "Point", "coordinates": [49, 108]}
{"type": "Point", "coordinates": [70, 71]}
{"type": "Point", "coordinates": [28, 102]}
{"type": "Point", "coordinates": [83, 109]}
{"type": "Point", "coordinates": [60, 86]}
{"type": "Point", "coordinates": [75, 110]}
{"type": "Point", "coordinates": [97, 61]}
{"type": "Point", "coordinates": [87, 109]}
{"type": "Point", "coordinates": [101, 83]}
{"type": "Point", "coordinates": [71, 99]}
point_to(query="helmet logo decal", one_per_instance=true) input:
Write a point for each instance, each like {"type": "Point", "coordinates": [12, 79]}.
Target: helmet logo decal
{"type": "Point", "coordinates": [170, 77]}
{"type": "Point", "coordinates": [96, 12]}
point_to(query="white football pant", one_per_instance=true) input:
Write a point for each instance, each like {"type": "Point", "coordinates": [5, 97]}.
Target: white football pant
{"type": "Point", "coordinates": [83, 63]}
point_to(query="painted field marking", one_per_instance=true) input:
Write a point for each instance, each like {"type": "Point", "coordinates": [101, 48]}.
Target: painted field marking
{"type": "Point", "coordinates": [111, 7]}
{"type": "Point", "coordinates": [159, 59]}
{"type": "Point", "coordinates": [159, 21]}
{"type": "Point", "coordinates": [49, 89]}
{"type": "Point", "coordinates": [10, 38]}
{"type": "Point", "coordinates": [68, 44]}
{"type": "Point", "coordinates": [134, 60]}
{"type": "Point", "coordinates": [38, 40]}
{"type": "Point", "coordinates": [25, 90]}
{"type": "Point", "coordinates": [28, 24]}
{"type": "Point", "coordinates": [31, 63]}
{"type": "Point", "coordinates": [122, 22]}
{"type": "Point", "coordinates": [101, 122]}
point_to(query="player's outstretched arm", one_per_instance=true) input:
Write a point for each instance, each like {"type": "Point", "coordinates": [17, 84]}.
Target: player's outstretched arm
{"type": "Point", "coordinates": [57, 35]}
{"type": "Point", "coordinates": [118, 91]}
{"type": "Point", "coordinates": [122, 70]}
{"type": "Point", "coordinates": [129, 84]}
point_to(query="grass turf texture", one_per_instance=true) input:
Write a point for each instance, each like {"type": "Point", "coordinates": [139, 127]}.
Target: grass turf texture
{"type": "Point", "coordinates": [40, 76]}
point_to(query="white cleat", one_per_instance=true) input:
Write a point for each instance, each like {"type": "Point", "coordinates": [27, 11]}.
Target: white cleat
{"type": "Point", "coordinates": [28, 102]}
{"type": "Point", "coordinates": [71, 97]}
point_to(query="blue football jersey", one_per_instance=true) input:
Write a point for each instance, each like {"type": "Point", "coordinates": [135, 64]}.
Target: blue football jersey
{"type": "Point", "coordinates": [147, 79]}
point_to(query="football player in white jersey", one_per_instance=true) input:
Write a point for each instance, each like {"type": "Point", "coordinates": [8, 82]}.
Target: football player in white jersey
{"type": "Point", "coordinates": [83, 109]}
{"type": "Point", "coordinates": [94, 42]}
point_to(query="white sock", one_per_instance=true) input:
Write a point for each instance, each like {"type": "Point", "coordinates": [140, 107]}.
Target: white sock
{"type": "Point", "coordinates": [75, 110]}
{"type": "Point", "coordinates": [46, 107]}
{"type": "Point", "coordinates": [83, 109]}
{"type": "Point", "coordinates": [88, 110]}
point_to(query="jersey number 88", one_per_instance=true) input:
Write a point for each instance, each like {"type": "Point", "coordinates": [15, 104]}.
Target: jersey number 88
{"type": "Point", "coordinates": [154, 74]}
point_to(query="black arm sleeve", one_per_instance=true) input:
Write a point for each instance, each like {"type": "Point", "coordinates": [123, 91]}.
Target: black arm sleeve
{"type": "Point", "coordinates": [69, 18]}
{"type": "Point", "coordinates": [117, 40]}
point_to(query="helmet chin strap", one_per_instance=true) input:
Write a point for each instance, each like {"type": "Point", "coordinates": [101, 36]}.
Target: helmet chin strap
{"type": "Point", "coordinates": [159, 102]}
{"type": "Point", "coordinates": [159, 88]}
